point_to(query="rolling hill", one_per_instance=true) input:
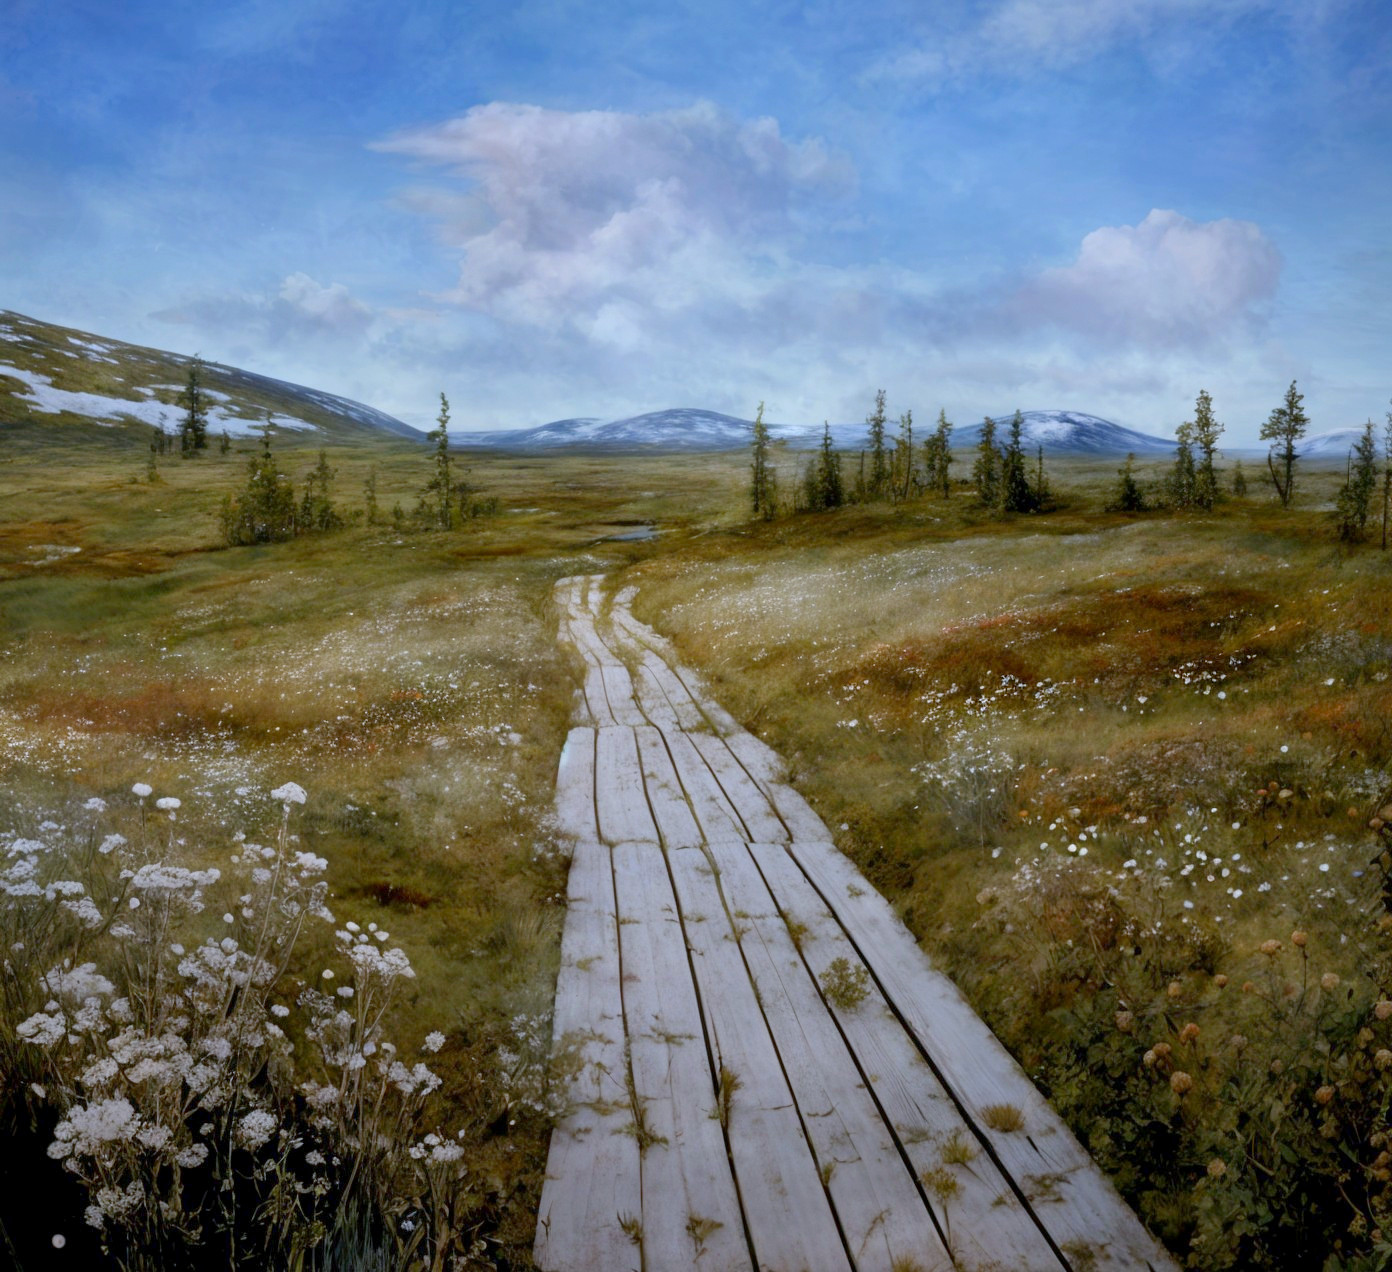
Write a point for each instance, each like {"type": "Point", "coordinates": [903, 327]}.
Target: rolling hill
{"type": "Point", "coordinates": [692, 429]}
{"type": "Point", "coordinates": [55, 376]}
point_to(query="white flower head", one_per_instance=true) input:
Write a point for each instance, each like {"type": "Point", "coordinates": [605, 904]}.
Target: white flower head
{"type": "Point", "coordinates": [290, 793]}
{"type": "Point", "coordinates": [95, 805]}
{"type": "Point", "coordinates": [142, 789]}
{"type": "Point", "coordinates": [167, 803]}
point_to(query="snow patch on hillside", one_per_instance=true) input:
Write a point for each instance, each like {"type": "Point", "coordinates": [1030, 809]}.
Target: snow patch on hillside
{"type": "Point", "coordinates": [109, 411]}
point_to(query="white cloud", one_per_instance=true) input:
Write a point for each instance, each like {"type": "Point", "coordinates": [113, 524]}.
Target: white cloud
{"type": "Point", "coordinates": [586, 218]}
{"type": "Point", "coordinates": [299, 308]}
{"type": "Point", "coordinates": [329, 306]}
{"type": "Point", "coordinates": [1165, 282]}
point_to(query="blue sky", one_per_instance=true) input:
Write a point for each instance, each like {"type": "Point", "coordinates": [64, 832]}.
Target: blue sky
{"type": "Point", "coordinates": [549, 209]}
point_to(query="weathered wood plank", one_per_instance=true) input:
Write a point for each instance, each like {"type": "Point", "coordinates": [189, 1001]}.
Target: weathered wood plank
{"type": "Point", "coordinates": [623, 702]}
{"type": "Point", "coordinates": [984, 1221]}
{"type": "Point", "coordinates": [690, 1205]}
{"type": "Point", "coordinates": [786, 1207]}
{"type": "Point", "coordinates": [714, 812]}
{"type": "Point", "coordinates": [621, 802]}
{"type": "Point", "coordinates": [748, 800]}
{"type": "Point", "coordinates": [575, 787]}
{"type": "Point", "coordinates": [657, 707]}
{"type": "Point", "coordinates": [1075, 1202]}
{"type": "Point", "coordinates": [592, 1168]}
{"type": "Point", "coordinates": [675, 822]}
{"type": "Point", "coordinates": [882, 1212]}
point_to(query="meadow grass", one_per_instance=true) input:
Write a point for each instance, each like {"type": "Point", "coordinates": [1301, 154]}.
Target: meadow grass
{"type": "Point", "coordinates": [1040, 737]}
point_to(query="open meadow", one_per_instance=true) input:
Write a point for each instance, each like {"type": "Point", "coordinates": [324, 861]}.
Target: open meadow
{"type": "Point", "coordinates": [1115, 771]}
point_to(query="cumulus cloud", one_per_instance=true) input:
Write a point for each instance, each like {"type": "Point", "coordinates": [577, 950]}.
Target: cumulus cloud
{"type": "Point", "coordinates": [600, 218]}
{"type": "Point", "coordinates": [1168, 281]}
{"type": "Point", "coordinates": [314, 303]}
{"type": "Point", "coordinates": [299, 308]}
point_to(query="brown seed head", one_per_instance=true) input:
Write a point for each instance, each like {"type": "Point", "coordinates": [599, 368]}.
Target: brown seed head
{"type": "Point", "coordinates": [1180, 1082]}
{"type": "Point", "coordinates": [1221, 981]}
{"type": "Point", "coordinates": [1329, 981]}
{"type": "Point", "coordinates": [1217, 1168]}
{"type": "Point", "coordinates": [1324, 1095]}
{"type": "Point", "coordinates": [1270, 948]}
{"type": "Point", "coordinates": [1299, 938]}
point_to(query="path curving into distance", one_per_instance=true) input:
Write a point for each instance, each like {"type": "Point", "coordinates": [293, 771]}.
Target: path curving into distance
{"type": "Point", "coordinates": [731, 1112]}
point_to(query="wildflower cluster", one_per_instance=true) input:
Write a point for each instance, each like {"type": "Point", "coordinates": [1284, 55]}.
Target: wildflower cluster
{"type": "Point", "coordinates": [163, 1036]}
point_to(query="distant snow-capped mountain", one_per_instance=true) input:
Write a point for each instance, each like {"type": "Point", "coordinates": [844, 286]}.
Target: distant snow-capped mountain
{"type": "Point", "coordinates": [1335, 444]}
{"type": "Point", "coordinates": [690, 429]}
{"type": "Point", "coordinates": [680, 429]}
{"type": "Point", "coordinates": [1070, 433]}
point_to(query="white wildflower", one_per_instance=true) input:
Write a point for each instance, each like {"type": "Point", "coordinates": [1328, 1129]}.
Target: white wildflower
{"type": "Point", "coordinates": [142, 789]}
{"type": "Point", "coordinates": [255, 1128]}
{"type": "Point", "coordinates": [433, 1042]}
{"type": "Point", "coordinates": [290, 793]}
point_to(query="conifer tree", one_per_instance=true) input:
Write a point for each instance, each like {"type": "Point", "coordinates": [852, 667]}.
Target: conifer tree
{"type": "Point", "coordinates": [1129, 497]}
{"type": "Point", "coordinates": [826, 490]}
{"type": "Point", "coordinates": [879, 469]}
{"type": "Point", "coordinates": [265, 510]}
{"type": "Point", "coordinates": [1015, 490]}
{"type": "Point", "coordinates": [226, 444]}
{"type": "Point", "coordinates": [986, 470]}
{"type": "Point", "coordinates": [1355, 500]}
{"type": "Point", "coordinates": [1284, 429]}
{"type": "Point", "coordinates": [1183, 479]}
{"type": "Point", "coordinates": [317, 512]}
{"type": "Point", "coordinates": [193, 432]}
{"type": "Point", "coordinates": [1239, 479]}
{"type": "Point", "coordinates": [370, 495]}
{"type": "Point", "coordinates": [1207, 431]}
{"type": "Point", "coordinates": [1041, 483]}
{"type": "Point", "coordinates": [904, 458]}
{"type": "Point", "coordinates": [937, 456]}
{"type": "Point", "coordinates": [761, 486]}
{"type": "Point", "coordinates": [441, 485]}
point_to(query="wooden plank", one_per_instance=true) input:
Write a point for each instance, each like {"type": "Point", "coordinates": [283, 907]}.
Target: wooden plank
{"type": "Point", "coordinates": [575, 787]}
{"type": "Point", "coordinates": [675, 822]}
{"type": "Point", "coordinates": [763, 764]}
{"type": "Point", "coordinates": [592, 1168]}
{"type": "Point", "coordinates": [656, 706]}
{"type": "Point", "coordinates": [690, 1206]}
{"type": "Point", "coordinates": [748, 800]}
{"type": "Point", "coordinates": [623, 704]}
{"type": "Point", "coordinates": [621, 803]}
{"type": "Point", "coordinates": [1074, 1201]}
{"type": "Point", "coordinates": [984, 1221]}
{"type": "Point", "coordinates": [789, 1216]}
{"type": "Point", "coordinates": [715, 813]}
{"type": "Point", "coordinates": [883, 1215]}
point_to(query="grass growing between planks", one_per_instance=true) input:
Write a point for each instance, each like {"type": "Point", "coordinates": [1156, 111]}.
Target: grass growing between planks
{"type": "Point", "coordinates": [1118, 774]}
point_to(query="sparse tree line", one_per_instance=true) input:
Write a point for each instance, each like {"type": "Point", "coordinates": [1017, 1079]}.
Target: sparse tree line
{"type": "Point", "coordinates": [897, 470]}
{"type": "Point", "coordinates": [1007, 480]}
{"type": "Point", "coordinates": [1195, 482]}
{"type": "Point", "coordinates": [268, 510]}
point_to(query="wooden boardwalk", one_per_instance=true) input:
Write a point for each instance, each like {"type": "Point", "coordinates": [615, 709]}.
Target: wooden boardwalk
{"type": "Point", "coordinates": [732, 1112]}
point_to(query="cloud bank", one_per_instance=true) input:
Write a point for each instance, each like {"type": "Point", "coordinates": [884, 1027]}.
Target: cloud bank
{"type": "Point", "coordinates": [609, 262]}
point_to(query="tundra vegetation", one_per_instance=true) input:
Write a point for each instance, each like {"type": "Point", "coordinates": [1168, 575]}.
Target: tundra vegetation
{"type": "Point", "coordinates": [1124, 772]}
